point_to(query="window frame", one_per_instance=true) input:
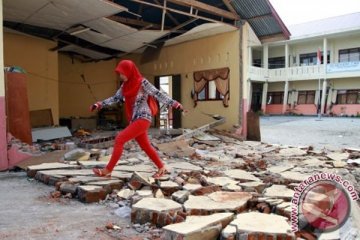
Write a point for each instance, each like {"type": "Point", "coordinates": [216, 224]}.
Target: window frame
{"type": "Point", "coordinates": [344, 94]}
{"type": "Point", "coordinates": [206, 89]}
{"type": "Point", "coordinates": [307, 94]}
{"type": "Point", "coordinates": [277, 94]}
{"type": "Point", "coordinates": [347, 52]}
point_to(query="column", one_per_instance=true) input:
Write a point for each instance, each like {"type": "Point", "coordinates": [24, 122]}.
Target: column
{"type": "Point", "coordinates": [323, 97]}
{"type": "Point", "coordinates": [266, 56]}
{"type": "Point", "coordinates": [286, 93]}
{"type": "Point", "coordinates": [286, 56]}
{"type": "Point", "coordinates": [264, 97]}
{"type": "Point", "coordinates": [3, 142]}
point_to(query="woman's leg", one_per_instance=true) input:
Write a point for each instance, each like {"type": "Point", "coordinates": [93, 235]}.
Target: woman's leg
{"type": "Point", "coordinates": [145, 145]}
{"type": "Point", "coordinates": [130, 132]}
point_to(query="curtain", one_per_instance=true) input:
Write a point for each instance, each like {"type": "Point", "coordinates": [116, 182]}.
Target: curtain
{"type": "Point", "coordinates": [221, 78]}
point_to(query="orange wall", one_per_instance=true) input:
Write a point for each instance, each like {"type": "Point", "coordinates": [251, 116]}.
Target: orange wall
{"type": "Point", "coordinates": [346, 109]}
{"type": "Point", "coordinates": [274, 109]}
{"type": "Point", "coordinates": [305, 109]}
{"type": "Point", "coordinates": [41, 66]}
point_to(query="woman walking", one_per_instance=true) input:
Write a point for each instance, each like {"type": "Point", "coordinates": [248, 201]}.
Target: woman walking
{"type": "Point", "coordinates": [138, 95]}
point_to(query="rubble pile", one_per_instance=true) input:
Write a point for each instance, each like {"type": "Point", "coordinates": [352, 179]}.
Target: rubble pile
{"type": "Point", "coordinates": [219, 187]}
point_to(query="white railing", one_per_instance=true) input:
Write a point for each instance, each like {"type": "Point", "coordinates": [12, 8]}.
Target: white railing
{"type": "Point", "coordinates": [334, 70]}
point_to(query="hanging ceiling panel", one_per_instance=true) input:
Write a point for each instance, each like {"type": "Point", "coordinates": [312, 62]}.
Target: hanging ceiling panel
{"type": "Point", "coordinates": [84, 51]}
{"type": "Point", "coordinates": [58, 14]}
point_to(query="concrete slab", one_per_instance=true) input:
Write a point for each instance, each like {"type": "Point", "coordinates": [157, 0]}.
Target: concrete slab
{"type": "Point", "coordinates": [259, 226]}
{"type": "Point", "coordinates": [217, 202]}
{"type": "Point", "coordinates": [292, 152]}
{"type": "Point", "coordinates": [338, 156]}
{"type": "Point", "coordinates": [184, 166]}
{"type": "Point", "coordinates": [279, 191]}
{"type": "Point", "coordinates": [294, 176]}
{"type": "Point", "coordinates": [221, 181]}
{"type": "Point", "coordinates": [31, 170]}
{"type": "Point", "coordinates": [198, 227]}
{"type": "Point", "coordinates": [241, 175]}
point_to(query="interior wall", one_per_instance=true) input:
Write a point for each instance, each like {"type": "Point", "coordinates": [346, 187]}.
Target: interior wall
{"type": "Point", "coordinates": [75, 95]}
{"type": "Point", "coordinates": [41, 66]}
{"type": "Point", "coordinates": [202, 54]}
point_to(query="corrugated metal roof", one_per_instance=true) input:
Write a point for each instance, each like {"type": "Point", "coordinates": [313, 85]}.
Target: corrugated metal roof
{"type": "Point", "coordinates": [326, 26]}
{"type": "Point", "coordinates": [262, 17]}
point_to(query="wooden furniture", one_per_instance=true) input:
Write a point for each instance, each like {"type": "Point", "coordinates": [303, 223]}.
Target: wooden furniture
{"type": "Point", "coordinates": [17, 106]}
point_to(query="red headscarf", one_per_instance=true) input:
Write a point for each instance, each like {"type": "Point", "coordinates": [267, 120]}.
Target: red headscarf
{"type": "Point", "coordinates": [132, 85]}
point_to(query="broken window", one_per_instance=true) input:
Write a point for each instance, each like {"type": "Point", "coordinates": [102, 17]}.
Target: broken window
{"type": "Point", "coordinates": [212, 85]}
{"type": "Point", "coordinates": [348, 97]}
{"type": "Point", "coordinates": [306, 97]}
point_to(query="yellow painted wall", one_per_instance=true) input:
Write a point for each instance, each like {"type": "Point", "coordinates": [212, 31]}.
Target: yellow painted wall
{"type": "Point", "coordinates": [33, 55]}
{"type": "Point", "coordinates": [202, 54]}
{"type": "Point", "coordinates": [75, 96]}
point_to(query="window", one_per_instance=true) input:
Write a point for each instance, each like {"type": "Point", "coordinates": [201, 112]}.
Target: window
{"type": "Point", "coordinates": [349, 55]}
{"type": "Point", "coordinates": [209, 92]}
{"type": "Point", "coordinates": [275, 98]}
{"type": "Point", "coordinates": [276, 62]}
{"type": "Point", "coordinates": [348, 97]}
{"type": "Point", "coordinates": [257, 62]}
{"type": "Point", "coordinates": [306, 97]}
{"type": "Point", "coordinates": [311, 58]}
{"type": "Point", "coordinates": [212, 84]}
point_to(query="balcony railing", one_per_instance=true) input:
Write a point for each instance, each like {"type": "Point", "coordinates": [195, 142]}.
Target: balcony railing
{"type": "Point", "coordinates": [333, 70]}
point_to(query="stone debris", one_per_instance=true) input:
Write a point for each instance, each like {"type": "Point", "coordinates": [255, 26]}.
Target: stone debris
{"type": "Point", "coordinates": [199, 227]}
{"type": "Point", "coordinates": [212, 177]}
{"type": "Point", "coordinates": [255, 225]}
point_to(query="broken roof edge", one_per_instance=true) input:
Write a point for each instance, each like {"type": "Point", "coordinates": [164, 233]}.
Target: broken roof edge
{"type": "Point", "coordinates": [283, 27]}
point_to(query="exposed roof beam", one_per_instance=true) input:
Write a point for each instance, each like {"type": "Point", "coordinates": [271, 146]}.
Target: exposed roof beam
{"type": "Point", "coordinates": [207, 8]}
{"type": "Point", "coordinates": [172, 18]}
{"type": "Point", "coordinates": [229, 6]}
{"type": "Point", "coordinates": [178, 11]}
{"type": "Point", "coordinates": [135, 22]}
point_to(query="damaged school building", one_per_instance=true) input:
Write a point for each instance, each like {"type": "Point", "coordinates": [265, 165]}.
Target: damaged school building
{"type": "Point", "coordinates": [223, 60]}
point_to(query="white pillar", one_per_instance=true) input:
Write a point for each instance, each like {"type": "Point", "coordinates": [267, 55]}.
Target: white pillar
{"type": "Point", "coordinates": [264, 97]}
{"type": "Point", "coordinates": [286, 55]}
{"type": "Point", "coordinates": [266, 56]}
{"type": "Point", "coordinates": [323, 96]}
{"type": "Point", "coordinates": [250, 57]}
{"type": "Point", "coordinates": [3, 143]}
{"type": "Point", "coordinates": [286, 93]}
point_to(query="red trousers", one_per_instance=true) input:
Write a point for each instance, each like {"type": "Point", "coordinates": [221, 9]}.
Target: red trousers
{"type": "Point", "coordinates": [136, 130]}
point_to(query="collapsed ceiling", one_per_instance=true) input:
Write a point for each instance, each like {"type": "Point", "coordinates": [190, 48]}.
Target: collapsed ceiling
{"type": "Point", "coordinates": [102, 29]}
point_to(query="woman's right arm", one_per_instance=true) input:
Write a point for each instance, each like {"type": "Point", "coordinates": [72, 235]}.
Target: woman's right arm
{"type": "Point", "coordinates": [117, 98]}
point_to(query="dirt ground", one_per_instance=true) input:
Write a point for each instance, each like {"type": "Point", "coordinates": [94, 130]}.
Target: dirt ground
{"type": "Point", "coordinates": [27, 211]}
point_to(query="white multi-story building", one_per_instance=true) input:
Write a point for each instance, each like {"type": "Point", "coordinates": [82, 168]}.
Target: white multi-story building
{"type": "Point", "coordinates": [286, 77]}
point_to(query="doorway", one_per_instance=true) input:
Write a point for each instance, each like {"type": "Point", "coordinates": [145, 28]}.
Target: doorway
{"type": "Point", "coordinates": [167, 118]}
{"type": "Point", "coordinates": [256, 98]}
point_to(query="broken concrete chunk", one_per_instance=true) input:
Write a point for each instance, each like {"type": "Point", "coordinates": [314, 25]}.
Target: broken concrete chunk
{"type": "Point", "coordinates": [294, 176]}
{"type": "Point", "coordinates": [279, 191]}
{"type": "Point", "coordinates": [89, 194]}
{"type": "Point", "coordinates": [144, 193]}
{"type": "Point", "coordinates": [31, 170]}
{"type": "Point", "coordinates": [138, 180]}
{"type": "Point", "coordinates": [157, 211]}
{"type": "Point", "coordinates": [279, 169]}
{"type": "Point", "coordinates": [259, 226]}
{"type": "Point", "coordinates": [339, 164]}
{"type": "Point", "coordinates": [184, 166]}
{"type": "Point", "coordinates": [221, 181]}
{"type": "Point", "coordinates": [192, 187]}
{"type": "Point", "coordinates": [241, 175]}
{"type": "Point", "coordinates": [338, 156]}
{"type": "Point", "coordinates": [217, 202]}
{"type": "Point", "coordinates": [68, 187]}
{"type": "Point", "coordinates": [232, 187]}
{"type": "Point", "coordinates": [253, 186]}
{"type": "Point", "coordinates": [290, 152]}
{"type": "Point", "coordinates": [91, 164]}
{"type": "Point", "coordinates": [126, 193]}
{"type": "Point", "coordinates": [159, 194]}
{"type": "Point", "coordinates": [75, 154]}
{"type": "Point", "coordinates": [109, 185]}
{"type": "Point", "coordinates": [199, 227]}
{"type": "Point", "coordinates": [180, 196]}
